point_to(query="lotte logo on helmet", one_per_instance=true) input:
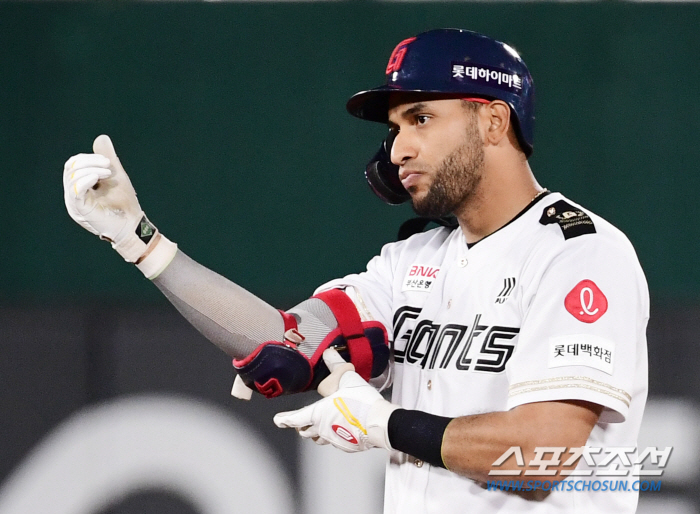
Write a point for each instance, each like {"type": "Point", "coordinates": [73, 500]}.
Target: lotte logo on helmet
{"type": "Point", "coordinates": [396, 57]}
{"type": "Point", "coordinates": [586, 302]}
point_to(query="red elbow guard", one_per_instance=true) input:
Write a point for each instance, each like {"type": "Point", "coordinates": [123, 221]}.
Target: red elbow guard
{"type": "Point", "coordinates": [277, 368]}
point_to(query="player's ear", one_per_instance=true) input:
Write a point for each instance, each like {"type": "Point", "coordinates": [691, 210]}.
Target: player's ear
{"type": "Point", "coordinates": [497, 115]}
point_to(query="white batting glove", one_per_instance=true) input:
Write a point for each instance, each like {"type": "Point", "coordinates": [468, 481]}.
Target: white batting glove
{"type": "Point", "coordinates": [353, 416]}
{"type": "Point", "coordinates": [99, 197]}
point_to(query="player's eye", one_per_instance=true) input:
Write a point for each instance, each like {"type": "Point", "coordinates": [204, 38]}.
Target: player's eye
{"type": "Point", "coordinates": [422, 119]}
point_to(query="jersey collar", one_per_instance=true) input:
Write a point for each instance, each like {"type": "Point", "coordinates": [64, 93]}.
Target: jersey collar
{"type": "Point", "coordinates": [535, 201]}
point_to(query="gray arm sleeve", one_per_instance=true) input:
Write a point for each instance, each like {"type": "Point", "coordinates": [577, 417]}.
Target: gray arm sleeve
{"type": "Point", "coordinates": [229, 316]}
{"type": "Point", "coordinates": [232, 318]}
{"type": "Point", "coordinates": [237, 321]}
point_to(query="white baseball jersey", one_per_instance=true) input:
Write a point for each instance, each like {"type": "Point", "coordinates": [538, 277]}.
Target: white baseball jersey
{"type": "Point", "coordinates": [552, 306]}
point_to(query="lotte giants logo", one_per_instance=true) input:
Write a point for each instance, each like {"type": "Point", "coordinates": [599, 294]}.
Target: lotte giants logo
{"type": "Point", "coordinates": [586, 302]}
{"type": "Point", "coordinates": [397, 55]}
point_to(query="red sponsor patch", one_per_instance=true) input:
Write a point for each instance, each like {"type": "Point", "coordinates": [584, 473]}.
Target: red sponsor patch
{"type": "Point", "coordinates": [586, 302]}
{"type": "Point", "coordinates": [397, 55]}
{"type": "Point", "coordinates": [344, 433]}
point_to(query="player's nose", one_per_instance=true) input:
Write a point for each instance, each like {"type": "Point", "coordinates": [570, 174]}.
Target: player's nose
{"type": "Point", "coordinates": [404, 148]}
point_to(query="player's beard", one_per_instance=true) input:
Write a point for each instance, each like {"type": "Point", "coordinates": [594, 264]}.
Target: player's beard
{"type": "Point", "coordinates": [456, 178]}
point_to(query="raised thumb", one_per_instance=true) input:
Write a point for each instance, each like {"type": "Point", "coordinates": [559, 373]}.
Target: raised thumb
{"type": "Point", "coordinates": [103, 146]}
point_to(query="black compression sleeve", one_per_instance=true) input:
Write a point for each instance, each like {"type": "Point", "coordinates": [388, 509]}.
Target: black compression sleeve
{"type": "Point", "coordinates": [418, 434]}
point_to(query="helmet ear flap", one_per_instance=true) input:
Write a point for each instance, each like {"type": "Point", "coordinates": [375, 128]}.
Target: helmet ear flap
{"type": "Point", "coordinates": [383, 175]}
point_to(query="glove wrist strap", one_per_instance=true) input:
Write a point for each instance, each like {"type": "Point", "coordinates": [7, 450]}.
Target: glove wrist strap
{"type": "Point", "coordinates": [130, 248]}
{"type": "Point", "coordinates": [146, 247]}
{"type": "Point", "coordinates": [132, 241]}
{"type": "Point", "coordinates": [159, 253]}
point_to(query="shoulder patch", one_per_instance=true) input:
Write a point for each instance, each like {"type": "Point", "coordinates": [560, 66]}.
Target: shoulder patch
{"type": "Point", "coordinates": [573, 221]}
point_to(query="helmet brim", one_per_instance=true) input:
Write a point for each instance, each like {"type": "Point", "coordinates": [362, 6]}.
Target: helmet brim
{"type": "Point", "coordinates": [373, 104]}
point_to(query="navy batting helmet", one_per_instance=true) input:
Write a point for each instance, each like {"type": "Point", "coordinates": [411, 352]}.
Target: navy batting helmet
{"type": "Point", "coordinates": [455, 61]}
{"type": "Point", "coordinates": [450, 61]}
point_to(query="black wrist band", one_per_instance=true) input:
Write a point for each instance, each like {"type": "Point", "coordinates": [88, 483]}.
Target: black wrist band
{"type": "Point", "coordinates": [418, 434]}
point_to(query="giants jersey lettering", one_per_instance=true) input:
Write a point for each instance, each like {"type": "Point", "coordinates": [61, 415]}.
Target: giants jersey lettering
{"type": "Point", "coordinates": [553, 306]}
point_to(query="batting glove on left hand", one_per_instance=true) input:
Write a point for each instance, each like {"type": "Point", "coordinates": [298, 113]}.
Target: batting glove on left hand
{"type": "Point", "coordinates": [353, 416]}
{"type": "Point", "coordinates": [100, 198]}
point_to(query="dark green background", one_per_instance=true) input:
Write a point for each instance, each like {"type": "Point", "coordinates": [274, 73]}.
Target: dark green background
{"type": "Point", "coordinates": [230, 121]}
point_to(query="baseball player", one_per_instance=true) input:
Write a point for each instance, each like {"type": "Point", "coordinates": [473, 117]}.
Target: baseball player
{"type": "Point", "coordinates": [517, 337]}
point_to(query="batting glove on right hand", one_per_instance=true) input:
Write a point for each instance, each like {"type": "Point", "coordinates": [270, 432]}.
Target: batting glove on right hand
{"type": "Point", "coordinates": [100, 198]}
{"type": "Point", "coordinates": [353, 416]}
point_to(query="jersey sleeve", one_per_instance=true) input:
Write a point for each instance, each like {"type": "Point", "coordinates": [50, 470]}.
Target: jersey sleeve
{"type": "Point", "coordinates": [585, 307]}
{"type": "Point", "coordinates": [371, 290]}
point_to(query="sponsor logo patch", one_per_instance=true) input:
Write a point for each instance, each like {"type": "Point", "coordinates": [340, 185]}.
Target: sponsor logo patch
{"type": "Point", "coordinates": [573, 221]}
{"type": "Point", "coordinates": [582, 350]}
{"type": "Point", "coordinates": [420, 277]}
{"type": "Point", "coordinates": [586, 302]}
{"type": "Point", "coordinates": [344, 433]}
{"type": "Point", "coordinates": [486, 75]}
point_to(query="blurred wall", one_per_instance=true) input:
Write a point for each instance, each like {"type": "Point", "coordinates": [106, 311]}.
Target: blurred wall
{"type": "Point", "coordinates": [230, 120]}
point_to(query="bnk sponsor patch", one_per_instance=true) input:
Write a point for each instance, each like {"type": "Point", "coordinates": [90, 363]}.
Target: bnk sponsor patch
{"type": "Point", "coordinates": [487, 75]}
{"type": "Point", "coordinates": [420, 277]}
